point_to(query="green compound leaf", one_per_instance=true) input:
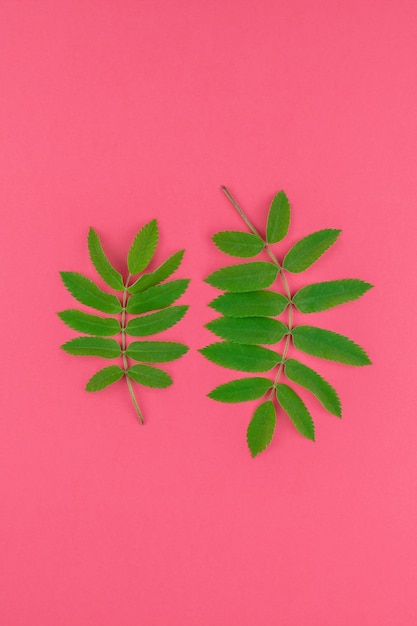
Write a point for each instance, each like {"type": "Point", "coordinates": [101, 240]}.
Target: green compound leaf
{"type": "Point", "coordinates": [101, 262]}
{"type": "Point", "coordinates": [155, 322]}
{"type": "Point", "coordinates": [250, 304]}
{"type": "Point", "coordinates": [249, 330]}
{"type": "Point", "coordinates": [163, 272]}
{"type": "Point", "coordinates": [155, 351]}
{"type": "Point", "coordinates": [329, 345]}
{"type": "Point", "coordinates": [85, 291]}
{"type": "Point", "coordinates": [296, 410]}
{"type": "Point", "coordinates": [309, 379]}
{"type": "Point", "coordinates": [261, 428]}
{"type": "Point", "coordinates": [158, 297]}
{"type": "Point", "coordinates": [241, 390]}
{"type": "Point", "coordinates": [90, 324]}
{"type": "Point", "coordinates": [241, 357]}
{"type": "Point", "coordinates": [236, 243]}
{"type": "Point", "coordinates": [143, 248]}
{"type": "Point", "coordinates": [93, 346]}
{"type": "Point", "coordinates": [105, 377]}
{"type": "Point", "coordinates": [306, 251]}
{"type": "Point", "coordinates": [322, 296]}
{"type": "Point", "coordinates": [278, 218]}
{"type": "Point", "coordinates": [149, 376]}
{"type": "Point", "coordinates": [244, 277]}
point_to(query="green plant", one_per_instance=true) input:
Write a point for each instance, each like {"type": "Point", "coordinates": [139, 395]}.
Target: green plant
{"type": "Point", "coordinates": [249, 323]}
{"type": "Point", "coordinates": [144, 297]}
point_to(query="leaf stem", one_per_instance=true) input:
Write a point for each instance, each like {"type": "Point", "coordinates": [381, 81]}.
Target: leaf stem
{"type": "Point", "coordinates": [123, 345]}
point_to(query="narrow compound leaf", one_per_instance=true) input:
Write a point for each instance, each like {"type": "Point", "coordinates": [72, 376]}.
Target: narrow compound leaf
{"type": "Point", "coordinates": [155, 351]}
{"type": "Point", "coordinates": [244, 277]}
{"type": "Point", "coordinates": [155, 322]}
{"type": "Point", "coordinates": [93, 346]}
{"type": "Point", "coordinates": [244, 358]}
{"type": "Point", "coordinates": [261, 427]}
{"type": "Point", "coordinates": [143, 248]}
{"type": "Point", "coordinates": [296, 410]}
{"type": "Point", "coordinates": [249, 330]}
{"type": "Point", "coordinates": [157, 297]}
{"type": "Point", "coordinates": [101, 262]}
{"type": "Point", "coordinates": [239, 244]}
{"type": "Point", "coordinates": [252, 303]}
{"type": "Point", "coordinates": [104, 378]}
{"type": "Point", "coordinates": [149, 376]}
{"type": "Point", "coordinates": [322, 296]}
{"type": "Point", "coordinates": [241, 390]}
{"type": "Point", "coordinates": [329, 345]}
{"type": "Point", "coordinates": [85, 291]}
{"type": "Point", "coordinates": [309, 379]}
{"type": "Point", "coordinates": [306, 251]}
{"type": "Point", "coordinates": [161, 273]}
{"type": "Point", "coordinates": [278, 218]}
{"type": "Point", "coordinates": [90, 324]}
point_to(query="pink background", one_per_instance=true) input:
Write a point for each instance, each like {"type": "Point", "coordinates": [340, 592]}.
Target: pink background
{"type": "Point", "coordinates": [116, 112]}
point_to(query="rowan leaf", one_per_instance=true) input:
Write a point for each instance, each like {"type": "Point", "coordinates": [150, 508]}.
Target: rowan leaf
{"type": "Point", "coordinates": [244, 277]}
{"type": "Point", "coordinates": [85, 291]}
{"type": "Point", "coordinates": [93, 346]}
{"type": "Point", "coordinates": [161, 273]}
{"type": "Point", "coordinates": [90, 324]}
{"type": "Point", "coordinates": [143, 248]}
{"type": "Point", "coordinates": [104, 377]}
{"type": "Point", "coordinates": [239, 244]}
{"type": "Point", "coordinates": [241, 390]}
{"type": "Point", "coordinates": [322, 296]}
{"type": "Point", "coordinates": [149, 376]}
{"type": "Point", "coordinates": [103, 266]}
{"type": "Point", "coordinates": [157, 297]}
{"type": "Point", "coordinates": [261, 427]}
{"type": "Point", "coordinates": [327, 344]}
{"type": "Point", "coordinates": [309, 379]}
{"type": "Point", "coordinates": [306, 251]}
{"type": "Point", "coordinates": [155, 322]}
{"type": "Point", "coordinates": [296, 410]}
{"type": "Point", "coordinates": [155, 351]}
{"type": "Point", "coordinates": [241, 357]}
{"type": "Point", "coordinates": [249, 330]}
{"type": "Point", "coordinates": [252, 303]}
{"type": "Point", "coordinates": [278, 218]}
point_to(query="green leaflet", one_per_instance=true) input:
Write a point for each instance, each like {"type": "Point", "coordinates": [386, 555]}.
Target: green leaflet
{"type": "Point", "coordinates": [329, 345]}
{"type": "Point", "coordinates": [155, 322]}
{"type": "Point", "coordinates": [308, 378]}
{"type": "Point", "coordinates": [278, 218]}
{"type": "Point", "coordinates": [261, 428]}
{"type": "Point", "coordinates": [296, 410]}
{"type": "Point", "coordinates": [143, 248]}
{"type": "Point", "coordinates": [90, 324]}
{"type": "Point", "coordinates": [306, 251]}
{"type": "Point", "coordinates": [249, 330]}
{"type": "Point", "coordinates": [244, 277]}
{"type": "Point", "coordinates": [85, 291]}
{"type": "Point", "coordinates": [93, 346]}
{"type": "Point", "coordinates": [161, 273]}
{"type": "Point", "coordinates": [158, 297]}
{"type": "Point", "coordinates": [155, 351]}
{"type": "Point", "coordinates": [241, 357]}
{"type": "Point", "coordinates": [101, 262]}
{"type": "Point", "coordinates": [322, 296]}
{"type": "Point", "coordinates": [250, 304]}
{"type": "Point", "coordinates": [149, 376]}
{"type": "Point", "coordinates": [241, 390]}
{"type": "Point", "coordinates": [236, 243]}
{"type": "Point", "coordinates": [105, 377]}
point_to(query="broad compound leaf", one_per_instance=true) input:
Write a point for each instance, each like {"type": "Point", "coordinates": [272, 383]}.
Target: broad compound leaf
{"type": "Point", "coordinates": [90, 324]}
{"type": "Point", "coordinates": [161, 273]}
{"type": "Point", "coordinates": [278, 218]}
{"type": "Point", "coordinates": [143, 248]}
{"type": "Point", "coordinates": [93, 346]}
{"type": "Point", "coordinates": [306, 251]}
{"type": "Point", "coordinates": [309, 379]}
{"type": "Point", "coordinates": [296, 410]}
{"type": "Point", "coordinates": [155, 322]}
{"type": "Point", "coordinates": [261, 427]}
{"type": "Point", "coordinates": [157, 297]}
{"type": "Point", "coordinates": [244, 358]}
{"type": "Point", "coordinates": [155, 351]}
{"type": "Point", "coordinates": [244, 277]}
{"type": "Point", "coordinates": [105, 377]}
{"type": "Point", "coordinates": [322, 296]}
{"type": "Point", "coordinates": [239, 244]}
{"type": "Point", "coordinates": [252, 303]}
{"type": "Point", "coordinates": [329, 345]}
{"type": "Point", "coordinates": [241, 390]}
{"type": "Point", "coordinates": [85, 291]}
{"type": "Point", "coordinates": [249, 330]}
{"type": "Point", "coordinates": [149, 376]}
{"type": "Point", "coordinates": [101, 262]}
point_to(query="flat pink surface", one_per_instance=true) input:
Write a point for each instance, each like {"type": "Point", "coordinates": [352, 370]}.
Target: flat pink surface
{"type": "Point", "coordinates": [113, 113]}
